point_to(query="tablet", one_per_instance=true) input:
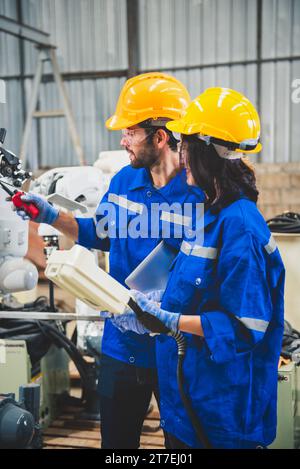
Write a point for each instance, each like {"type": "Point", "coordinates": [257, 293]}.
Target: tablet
{"type": "Point", "coordinates": [153, 272]}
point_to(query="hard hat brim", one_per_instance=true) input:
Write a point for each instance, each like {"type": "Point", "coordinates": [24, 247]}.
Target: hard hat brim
{"type": "Point", "coordinates": [257, 149]}
{"type": "Point", "coordinates": [179, 126]}
{"type": "Point", "coordinates": [117, 123]}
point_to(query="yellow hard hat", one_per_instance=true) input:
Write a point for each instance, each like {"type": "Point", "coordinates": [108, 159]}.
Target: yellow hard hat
{"type": "Point", "coordinates": [224, 117]}
{"type": "Point", "coordinates": [149, 96]}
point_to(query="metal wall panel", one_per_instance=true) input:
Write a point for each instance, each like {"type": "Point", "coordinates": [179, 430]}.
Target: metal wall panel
{"type": "Point", "coordinates": [8, 8]}
{"type": "Point", "coordinates": [281, 28]}
{"type": "Point", "coordinates": [11, 116]}
{"type": "Point", "coordinates": [93, 101]}
{"type": "Point", "coordinates": [194, 32]}
{"type": "Point", "coordinates": [9, 46]}
{"type": "Point", "coordinates": [91, 35]}
{"type": "Point", "coordinates": [241, 78]}
{"type": "Point", "coordinates": [281, 116]}
{"type": "Point", "coordinates": [187, 33]}
{"type": "Point", "coordinates": [9, 55]}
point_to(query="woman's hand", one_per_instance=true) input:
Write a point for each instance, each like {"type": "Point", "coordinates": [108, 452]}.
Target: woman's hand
{"type": "Point", "coordinates": [128, 321]}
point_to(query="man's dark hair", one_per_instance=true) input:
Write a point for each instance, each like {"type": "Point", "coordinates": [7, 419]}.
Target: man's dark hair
{"type": "Point", "coordinates": [222, 179]}
{"type": "Point", "coordinates": [151, 129]}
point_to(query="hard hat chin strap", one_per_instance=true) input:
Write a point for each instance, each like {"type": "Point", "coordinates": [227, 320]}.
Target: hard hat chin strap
{"type": "Point", "coordinates": [223, 152]}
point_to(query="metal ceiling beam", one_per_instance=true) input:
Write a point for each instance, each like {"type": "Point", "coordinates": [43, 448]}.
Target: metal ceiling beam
{"type": "Point", "coordinates": [25, 32]}
{"type": "Point", "coordinates": [132, 37]}
{"type": "Point", "coordinates": [179, 68]}
{"type": "Point", "coordinates": [69, 76]}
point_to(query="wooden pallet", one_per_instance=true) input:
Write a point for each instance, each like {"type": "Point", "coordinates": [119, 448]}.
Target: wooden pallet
{"type": "Point", "coordinates": [69, 432]}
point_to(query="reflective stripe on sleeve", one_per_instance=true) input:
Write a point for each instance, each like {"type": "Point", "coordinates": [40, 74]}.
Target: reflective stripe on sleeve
{"type": "Point", "coordinates": [199, 251]}
{"type": "Point", "coordinates": [254, 324]}
{"type": "Point", "coordinates": [206, 252]}
{"type": "Point", "coordinates": [271, 246]}
{"type": "Point", "coordinates": [185, 248]}
{"type": "Point", "coordinates": [125, 203]}
{"type": "Point", "coordinates": [175, 218]}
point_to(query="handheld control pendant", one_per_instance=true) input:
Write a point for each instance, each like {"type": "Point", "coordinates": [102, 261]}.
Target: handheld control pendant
{"type": "Point", "coordinates": [16, 195]}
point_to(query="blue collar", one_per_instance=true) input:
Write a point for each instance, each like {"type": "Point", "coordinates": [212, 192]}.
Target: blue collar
{"type": "Point", "coordinates": [175, 186]}
{"type": "Point", "coordinates": [141, 179]}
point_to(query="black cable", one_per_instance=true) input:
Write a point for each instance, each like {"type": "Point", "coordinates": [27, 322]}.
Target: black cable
{"type": "Point", "coordinates": [181, 344]}
{"type": "Point", "coordinates": [288, 222]}
{"type": "Point", "coordinates": [155, 325]}
{"type": "Point", "coordinates": [16, 331]}
{"type": "Point", "coordinates": [51, 297]}
{"type": "Point", "coordinates": [27, 327]}
{"type": "Point", "coordinates": [70, 348]}
{"type": "Point", "coordinates": [40, 304]}
{"type": "Point", "coordinates": [32, 326]}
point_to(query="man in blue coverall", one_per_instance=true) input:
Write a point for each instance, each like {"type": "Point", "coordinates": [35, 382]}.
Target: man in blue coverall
{"type": "Point", "coordinates": [150, 185]}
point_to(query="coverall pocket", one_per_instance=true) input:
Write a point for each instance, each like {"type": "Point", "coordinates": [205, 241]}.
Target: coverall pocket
{"type": "Point", "coordinates": [196, 279]}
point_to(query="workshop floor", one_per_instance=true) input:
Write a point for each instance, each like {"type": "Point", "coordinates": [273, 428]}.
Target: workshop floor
{"type": "Point", "coordinates": [70, 432]}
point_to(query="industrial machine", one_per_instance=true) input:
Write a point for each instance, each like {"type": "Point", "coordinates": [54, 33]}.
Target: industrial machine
{"type": "Point", "coordinates": [16, 274]}
{"type": "Point", "coordinates": [32, 336]}
{"type": "Point", "coordinates": [28, 356]}
{"type": "Point", "coordinates": [50, 373]}
{"type": "Point", "coordinates": [19, 425]}
{"type": "Point", "coordinates": [288, 408]}
{"type": "Point", "coordinates": [19, 420]}
{"type": "Point", "coordinates": [286, 232]}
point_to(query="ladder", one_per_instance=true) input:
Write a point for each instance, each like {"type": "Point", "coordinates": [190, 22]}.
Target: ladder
{"type": "Point", "coordinates": [48, 53]}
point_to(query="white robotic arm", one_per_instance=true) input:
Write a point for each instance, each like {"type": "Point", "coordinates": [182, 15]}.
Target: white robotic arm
{"type": "Point", "coordinates": [79, 189]}
{"type": "Point", "coordinates": [16, 274]}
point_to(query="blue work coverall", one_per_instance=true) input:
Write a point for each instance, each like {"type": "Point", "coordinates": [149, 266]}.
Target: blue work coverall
{"type": "Point", "coordinates": [235, 282]}
{"type": "Point", "coordinates": [125, 355]}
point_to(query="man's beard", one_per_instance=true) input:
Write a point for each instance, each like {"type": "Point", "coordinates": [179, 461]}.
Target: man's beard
{"type": "Point", "coordinates": [147, 157]}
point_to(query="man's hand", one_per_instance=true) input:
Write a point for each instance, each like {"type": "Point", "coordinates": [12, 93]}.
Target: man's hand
{"type": "Point", "coordinates": [47, 213]}
{"type": "Point", "coordinates": [129, 322]}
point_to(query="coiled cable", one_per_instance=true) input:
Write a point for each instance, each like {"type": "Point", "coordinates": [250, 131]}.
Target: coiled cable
{"type": "Point", "coordinates": [287, 222]}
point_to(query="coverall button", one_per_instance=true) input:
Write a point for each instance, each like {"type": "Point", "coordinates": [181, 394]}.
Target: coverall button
{"type": "Point", "coordinates": [131, 359]}
{"type": "Point", "coordinates": [198, 281]}
{"type": "Point", "coordinates": [162, 423]}
{"type": "Point", "coordinates": [112, 223]}
{"type": "Point", "coordinates": [149, 193]}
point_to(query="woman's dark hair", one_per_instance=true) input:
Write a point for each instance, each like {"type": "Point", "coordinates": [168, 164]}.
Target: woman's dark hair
{"type": "Point", "coordinates": [222, 180]}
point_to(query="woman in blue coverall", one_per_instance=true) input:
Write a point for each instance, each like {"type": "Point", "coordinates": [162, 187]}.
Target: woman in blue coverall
{"type": "Point", "coordinates": [225, 290]}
